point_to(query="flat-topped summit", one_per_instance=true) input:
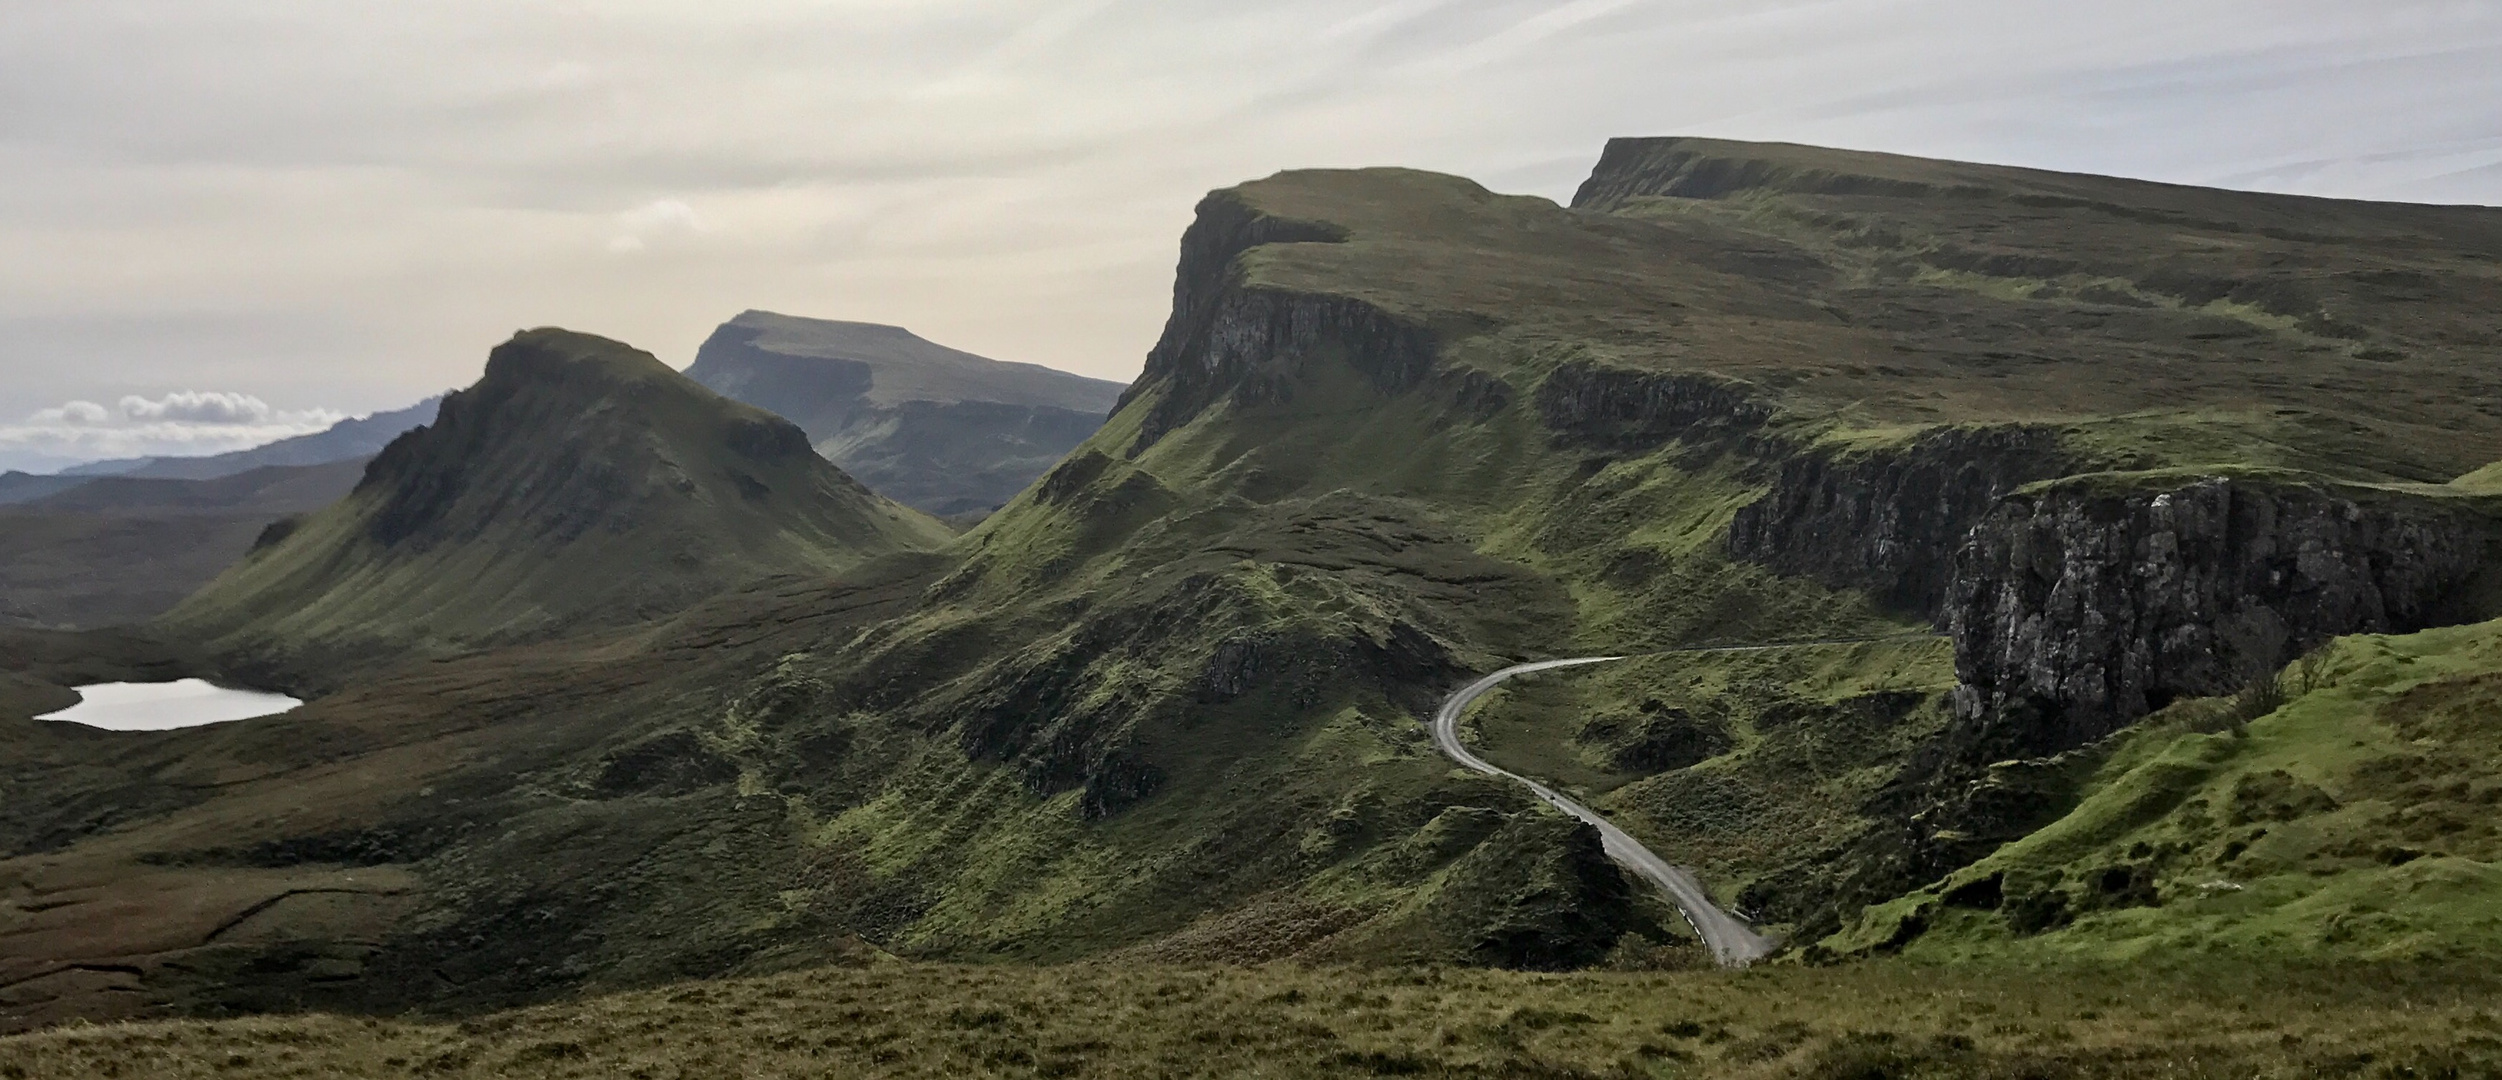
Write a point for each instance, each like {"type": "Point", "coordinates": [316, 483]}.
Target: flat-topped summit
{"type": "Point", "coordinates": [938, 428]}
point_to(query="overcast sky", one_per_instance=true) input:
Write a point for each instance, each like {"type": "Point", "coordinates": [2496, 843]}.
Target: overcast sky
{"type": "Point", "coordinates": [291, 209]}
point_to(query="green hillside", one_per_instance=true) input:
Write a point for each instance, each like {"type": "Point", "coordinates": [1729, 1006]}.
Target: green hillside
{"type": "Point", "coordinates": [2007, 461]}
{"type": "Point", "coordinates": [580, 484]}
{"type": "Point", "coordinates": [2349, 812]}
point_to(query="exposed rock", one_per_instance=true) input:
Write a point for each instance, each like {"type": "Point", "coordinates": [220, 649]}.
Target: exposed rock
{"type": "Point", "coordinates": [935, 428]}
{"type": "Point", "coordinates": [2077, 609]}
{"type": "Point", "coordinates": [1227, 339]}
{"type": "Point", "coordinates": [1616, 408]}
{"type": "Point", "coordinates": [1230, 670]}
{"type": "Point", "coordinates": [1658, 739]}
{"type": "Point", "coordinates": [1538, 893]}
{"type": "Point", "coordinates": [672, 763]}
{"type": "Point", "coordinates": [1890, 522]}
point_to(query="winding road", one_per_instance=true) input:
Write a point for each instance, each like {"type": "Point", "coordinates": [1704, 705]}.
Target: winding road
{"type": "Point", "coordinates": [1731, 942]}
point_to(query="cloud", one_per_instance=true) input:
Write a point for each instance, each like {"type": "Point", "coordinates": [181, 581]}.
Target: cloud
{"type": "Point", "coordinates": [199, 407]}
{"type": "Point", "coordinates": [178, 424]}
{"type": "Point", "coordinates": [658, 221]}
{"type": "Point", "coordinates": [72, 414]}
{"type": "Point", "coordinates": [350, 203]}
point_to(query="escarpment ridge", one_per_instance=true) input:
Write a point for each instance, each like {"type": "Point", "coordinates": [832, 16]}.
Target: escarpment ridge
{"type": "Point", "coordinates": [935, 428]}
{"type": "Point", "coordinates": [1401, 431]}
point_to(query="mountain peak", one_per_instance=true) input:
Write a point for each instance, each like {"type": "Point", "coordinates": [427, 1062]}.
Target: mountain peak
{"type": "Point", "coordinates": [580, 482]}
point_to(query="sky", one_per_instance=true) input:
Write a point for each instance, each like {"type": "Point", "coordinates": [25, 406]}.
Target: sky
{"type": "Point", "coordinates": [223, 220]}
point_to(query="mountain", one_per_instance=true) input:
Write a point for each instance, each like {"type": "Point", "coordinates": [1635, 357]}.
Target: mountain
{"type": "Point", "coordinates": [579, 483]}
{"type": "Point", "coordinates": [17, 487]}
{"type": "Point", "coordinates": [2110, 562]}
{"type": "Point", "coordinates": [932, 427]}
{"type": "Point", "coordinates": [266, 489]}
{"type": "Point", "coordinates": [352, 438]}
{"type": "Point", "coordinates": [114, 551]}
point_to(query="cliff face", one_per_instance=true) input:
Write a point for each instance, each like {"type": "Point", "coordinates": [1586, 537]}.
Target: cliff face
{"type": "Point", "coordinates": [2080, 608]}
{"type": "Point", "coordinates": [1889, 522]}
{"type": "Point", "coordinates": [1591, 405]}
{"type": "Point", "coordinates": [1228, 339]}
{"type": "Point", "coordinates": [931, 427]}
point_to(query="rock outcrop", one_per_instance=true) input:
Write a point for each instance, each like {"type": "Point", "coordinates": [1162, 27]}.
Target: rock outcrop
{"type": "Point", "coordinates": [2080, 607]}
{"type": "Point", "coordinates": [1889, 522]}
{"type": "Point", "coordinates": [1228, 339]}
{"type": "Point", "coordinates": [935, 428]}
{"type": "Point", "coordinates": [1615, 408]}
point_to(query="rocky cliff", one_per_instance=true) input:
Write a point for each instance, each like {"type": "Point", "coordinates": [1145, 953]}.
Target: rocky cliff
{"type": "Point", "coordinates": [1889, 521]}
{"type": "Point", "coordinates": [935, 428]}
{"type": "Point", "coordinates": [1595, 405]}
{"type": "Point", "coordinates": [1227, 338]}
{"type": "Point", "coordinates": [2083, 605]}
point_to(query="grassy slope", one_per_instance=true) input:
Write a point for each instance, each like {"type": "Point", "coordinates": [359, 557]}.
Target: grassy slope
{"type": "Point", "coordinates": [1173, 699]}
{"type": "Point", "coordinates": [2355, 820]}
{"type": "Point", "coordinates": [909, 1020]}
{"type": "Point", "coordinates": [1370, 511]}
{"type": "Point", "coordinates": [580, 483]}
{"type": "Point", "coordinates": [1623, 548]}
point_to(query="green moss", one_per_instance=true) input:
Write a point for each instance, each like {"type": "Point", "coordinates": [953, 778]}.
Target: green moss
{"type": "Point", "coordinates": [2353, 821]}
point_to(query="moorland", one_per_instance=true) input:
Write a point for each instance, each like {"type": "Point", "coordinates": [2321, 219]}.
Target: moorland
{"type": "Point", "coordinates": [2124, 551]}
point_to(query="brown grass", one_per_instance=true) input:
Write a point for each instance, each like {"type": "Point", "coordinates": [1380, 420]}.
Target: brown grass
{"type": "Point", "coordinates": [897, 1019]}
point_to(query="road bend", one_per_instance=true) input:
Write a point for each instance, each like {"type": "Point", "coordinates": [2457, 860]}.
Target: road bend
{"type": "Point", "coordinates": [1731, 942]}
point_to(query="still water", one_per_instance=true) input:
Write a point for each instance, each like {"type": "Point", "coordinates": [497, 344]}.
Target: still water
{"type": "Point", "coordinates": [123, 706]}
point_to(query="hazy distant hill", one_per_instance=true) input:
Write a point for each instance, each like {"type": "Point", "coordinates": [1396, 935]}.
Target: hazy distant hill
{"type": "Point", "coordinates": [18, 487]}
{"type": "Point", "coordinates": [356, 437]}
{"type": "Point", "coordinates": [929, 426]}
{"type": "Point", "coordinates": [114, 550]}
{"type": "Point", "coordinates": [579, 483]}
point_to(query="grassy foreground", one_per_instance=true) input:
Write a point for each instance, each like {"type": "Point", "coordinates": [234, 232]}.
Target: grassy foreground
{"type": "Point", "coordinates": [899, 1019]}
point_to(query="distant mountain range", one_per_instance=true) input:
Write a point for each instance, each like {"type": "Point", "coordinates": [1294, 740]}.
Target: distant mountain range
{"type": "Point", "coordinates": [356, 437]}
{"type": "Point", "coordinates": [935, 428]}
{"type": "Point", "coordinates": [108, 550]}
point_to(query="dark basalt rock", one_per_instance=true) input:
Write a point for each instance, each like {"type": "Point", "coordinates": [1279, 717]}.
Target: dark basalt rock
{"type": "Point", "coordinates": [1537, 894]}
{"type": "Point", "coordinates": [1588, 404]}
{"type": "Point", "coordinates": [2078, 609]}
{"type": "Point", "coordinates": [277, 532]}
{"type": "Point", "coordinates": [1890, 523]}
{"type": "Point", "coordinates": [1227, 340]}
{"type": "Point", "coordinates": [672, 763]}
{"type": "Point", "coordinates": [1657, 739]}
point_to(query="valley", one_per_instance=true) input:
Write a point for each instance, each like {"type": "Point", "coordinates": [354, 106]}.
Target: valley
{"type": "Point", "coordinates": [2128, 548]}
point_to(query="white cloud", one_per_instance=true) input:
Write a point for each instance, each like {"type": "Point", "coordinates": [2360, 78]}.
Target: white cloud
{"type": "Point", "coordinates": [200, 407]}
{"type": "Point", "coordinates": [658, 221]}
{"type": "Point", "coordinates": [177, 424]}
{"type": "Point", "coordinates": [72, 414]}
{"type": "Point", "coordinates": [351, 203]}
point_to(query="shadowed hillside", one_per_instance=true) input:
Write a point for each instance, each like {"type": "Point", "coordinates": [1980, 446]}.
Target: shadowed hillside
{"type": "Point", "coordinates": [929, 426]}
{"type": "Point", "coordinates": [2046, 459]}
{"type": "Point", "coordinates": [579, 484]}
{"type": "Point", "coordinates": [115, 550]}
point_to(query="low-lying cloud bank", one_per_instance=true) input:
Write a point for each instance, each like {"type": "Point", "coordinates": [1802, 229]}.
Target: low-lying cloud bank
{"type": "Point", "coordinates": [179, 424]}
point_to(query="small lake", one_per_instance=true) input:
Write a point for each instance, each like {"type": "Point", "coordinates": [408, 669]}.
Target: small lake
{"type": "Point", "coordinates": [123, 706]}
